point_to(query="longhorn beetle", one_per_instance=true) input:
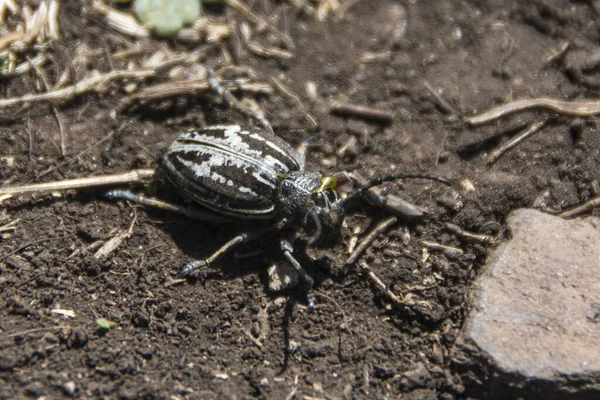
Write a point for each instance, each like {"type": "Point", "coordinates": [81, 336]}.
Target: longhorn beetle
{"type": "Point", "coordinates": [247, 172]}
{"type": "Point", "coordinates": [250, 173]}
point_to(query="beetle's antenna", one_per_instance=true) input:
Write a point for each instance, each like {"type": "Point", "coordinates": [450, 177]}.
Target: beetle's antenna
{"type": "Point", "coordinates": [358, 193]}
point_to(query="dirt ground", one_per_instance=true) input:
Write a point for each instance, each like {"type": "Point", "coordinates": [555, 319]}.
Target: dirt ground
{"type": "Point", "coordinates": [224, 334]}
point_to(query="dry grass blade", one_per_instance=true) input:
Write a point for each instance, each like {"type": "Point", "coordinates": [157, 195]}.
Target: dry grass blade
{"type": "Point", "coordinates": [261, 23]}
{"type": "Point", "coordinates": [571, 108]}
{"type": "Point", "coordinates": [97, 82]}
{"type": "Point", "coordinates": [120, 21]}
{"type": "Point", "coordinates": [112, 244]}
{"type": "Point", "coordinates": [5, 5]}
{"type": "Point", "coordinates": [135, 176]}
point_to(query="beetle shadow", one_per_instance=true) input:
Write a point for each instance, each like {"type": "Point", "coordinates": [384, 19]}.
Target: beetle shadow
{"type": "Point", "coordinates": [198, 239]}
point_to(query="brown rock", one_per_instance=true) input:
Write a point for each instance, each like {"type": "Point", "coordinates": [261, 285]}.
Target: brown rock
{"type": "Point", "coordinates": [529, 333]}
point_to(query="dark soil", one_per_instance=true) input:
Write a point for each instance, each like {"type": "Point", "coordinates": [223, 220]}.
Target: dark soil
{"type": "Point", "coordinates": [224, 335]}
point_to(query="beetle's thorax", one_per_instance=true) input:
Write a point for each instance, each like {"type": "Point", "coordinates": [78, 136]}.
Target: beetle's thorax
{"type": "Point", "coordinates": [294, 193]}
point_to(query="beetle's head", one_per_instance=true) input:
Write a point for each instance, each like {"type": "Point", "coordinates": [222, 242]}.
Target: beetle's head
{"type": "Point", "coordinates": [325, 214]}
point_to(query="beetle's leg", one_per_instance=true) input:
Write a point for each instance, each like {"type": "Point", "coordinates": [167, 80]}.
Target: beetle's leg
{"type": "Point", "coordinates": [190, 212]}
{"type": "Point", "coordinates": [314, 216]}
{"type": "Point", "coordinates": [235, 103]}
{"type": "Point", "coordinates": [307, 281]}
{"type": "Point", "coordinates": [224, 249]}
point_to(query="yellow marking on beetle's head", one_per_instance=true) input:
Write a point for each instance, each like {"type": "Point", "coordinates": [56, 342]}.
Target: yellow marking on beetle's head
{"type": "Point", "coordinates": [327, 182]}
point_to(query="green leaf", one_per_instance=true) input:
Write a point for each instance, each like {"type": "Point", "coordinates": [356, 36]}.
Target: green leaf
{"type": "Point", "coordinates": [166, 17]}
{"type": "Point", "coordinates": [105, 324]}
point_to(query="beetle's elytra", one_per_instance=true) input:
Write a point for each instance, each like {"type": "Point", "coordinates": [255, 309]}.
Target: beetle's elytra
{"type": "Point", "coordinates": [231, 170]}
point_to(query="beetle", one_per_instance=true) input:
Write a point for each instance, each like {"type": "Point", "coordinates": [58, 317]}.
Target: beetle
{"type": "Point", "coordinates": [248, 172]}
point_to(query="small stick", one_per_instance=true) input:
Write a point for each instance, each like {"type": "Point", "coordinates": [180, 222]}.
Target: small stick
{"type": "Point", "coordinates": [438, 246]}
{"type": "Point", "coordinates": [394, 204]}
{"type": "Point", "coordinates": [558, 52]}
{"type": "Point", "coordinates": [364, 112]}
{"type": "Point", "coordinates": [439, 100]}
{"type": "Point", "coordinates": [122, 22]}
{"type": "Point", "coordinates": [135, 176]}
{"type": "Point", "coordinates": [585, 207]}
{"type": "Point", "coordinates": [370, 238]}
{"type": "Point", "coordinates": [189, 87]}
{"type": "Point", "coordinates": [364, 268]}
{"type": "Point", "coordinates": [29, 136]}
{"type": "Point", "coordinates": [477, 237]}
{"type": "Point", "coordinates": [235, 103]}
{"type": "Point", "coordinates": [52, 23]}
{"type": "Point", "coordinates": [113, 243]}
{"type": "Point", "coordinates": [254, 340]}
{"type": "Point", "coordinates": [269, 52]}
{"type": "Point", "coordinates": [571, 108]}
{"type": "Point", "coordinates": [10, 227]}
{"type": "Point", "coordinates": [169, 89]}
{"type": "Point", "coordinates": [514, 141]}
{"type": "Point", "coordinates": [25, 66]}
{"type": "Point", "coordinates": [40, 19]}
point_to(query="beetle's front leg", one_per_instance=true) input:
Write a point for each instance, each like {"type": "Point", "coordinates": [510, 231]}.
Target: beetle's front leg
{"type": "Point", "coordinates": [190, 212]}
{"type": "Point", "coordinates": [224, 249]}
{"type": "Point", "coordinates": [307, 281]}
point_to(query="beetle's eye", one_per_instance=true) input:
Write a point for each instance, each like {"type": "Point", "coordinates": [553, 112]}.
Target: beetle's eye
{"type": "Point", "coordinates": [326, 182]}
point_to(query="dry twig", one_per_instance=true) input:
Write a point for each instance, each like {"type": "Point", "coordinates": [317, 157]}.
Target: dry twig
{"type": "Point", "coordinates": [439, 100]}
{"type": "Point", "coordinates": [190, 87]}
{"type": "Point", "coordinates": [370, 238]}
{"type": "Point", "coordinates": [364, 112]}
{"type": "Point", "coordinates": [112, 244]}
{"type": "Point", "coordinates": [584, 208]}
{"type": "Point", "coordinates": [135, 176]}
{"type": "Point", "coordinates": [439, 246]}
{"type": "Point", "coordinates": [496, 153]}
{"type": "Point", "coordinates": [572, 108]}
{"type": "Point", "coordinates": [472, 236]}
{"type": "Point", "coordinates": [364, 268]}
{"type": "Point", "coordinates": [120, 21]}
{"type": "Point", "coordinates": [394, 204]}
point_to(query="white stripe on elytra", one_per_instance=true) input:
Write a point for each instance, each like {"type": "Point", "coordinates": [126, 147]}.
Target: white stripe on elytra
{"type": "Point", "coordinates": [263, 180]}
{"type": "Point", "coordinates": [233, 140]}
{"type": "Point", "coordinates": [244, 189]}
